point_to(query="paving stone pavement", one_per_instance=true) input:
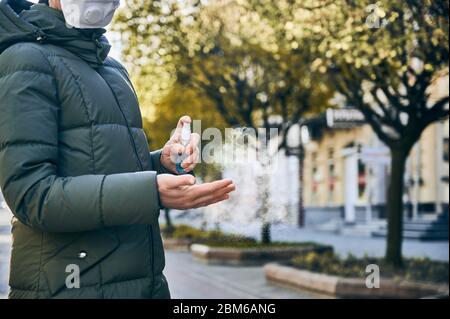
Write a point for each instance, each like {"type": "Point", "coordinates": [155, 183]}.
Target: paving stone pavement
{"type": "Point", "coordinates": [189, 278]}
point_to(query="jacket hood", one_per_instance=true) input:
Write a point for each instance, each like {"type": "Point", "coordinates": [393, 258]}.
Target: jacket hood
{"type": "Point", "coordinates": [29, 22]}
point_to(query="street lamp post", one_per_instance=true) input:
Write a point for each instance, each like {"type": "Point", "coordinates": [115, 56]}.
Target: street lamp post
{"type": "Point", "coordinates": [299, 151]}
{"type": "Point", "coordinates": [301, 204]}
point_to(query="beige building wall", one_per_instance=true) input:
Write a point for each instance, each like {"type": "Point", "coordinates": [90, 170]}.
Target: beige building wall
{"type": "Point", "coordinates": [319, 155]}
{"type": "Point", "coordinates": [426, 160]}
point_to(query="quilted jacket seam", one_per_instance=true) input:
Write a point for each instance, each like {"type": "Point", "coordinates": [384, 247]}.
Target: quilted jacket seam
{"type": "Point", "coordinates": [100, 124]}
{"type": "Point", "coordinates": [25, 70]}
{"type": "Point", "coordinates": [86, 113]}
{"type": "Point", "coordinates": [19, 144]}
{"type": "Point", "coordinates": [102, 218]}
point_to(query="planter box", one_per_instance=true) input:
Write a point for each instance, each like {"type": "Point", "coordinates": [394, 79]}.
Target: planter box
{"type": "Point", "coordinates": [250, 256]}
{"type": "Point", "coordinates": [177, 244]}
{"type": "Point", "coordinates": [340, 287]}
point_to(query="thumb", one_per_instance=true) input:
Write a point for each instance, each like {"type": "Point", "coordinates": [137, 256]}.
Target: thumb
{"type": "Point", "coordinates": [182, 180]}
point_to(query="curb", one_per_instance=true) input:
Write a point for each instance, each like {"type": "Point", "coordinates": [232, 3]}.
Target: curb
{"type": "Point", "coordinates": [249, 256]}
{"type": "Point", "coordinates": [349, 287]}
{"type": "Point", "coordinates": [176, 244]}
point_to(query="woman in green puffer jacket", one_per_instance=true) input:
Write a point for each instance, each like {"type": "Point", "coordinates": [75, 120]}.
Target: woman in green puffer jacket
{"type": "Point", "coordinates": [75, 167]}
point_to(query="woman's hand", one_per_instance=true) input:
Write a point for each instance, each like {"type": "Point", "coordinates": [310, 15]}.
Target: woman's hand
{"type": "Point", "coordinates": [181, 192]}
{"type": "Point", "coordinates": [174, 149]}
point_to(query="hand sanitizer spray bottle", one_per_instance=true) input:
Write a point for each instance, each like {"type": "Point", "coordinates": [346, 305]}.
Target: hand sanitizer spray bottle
{"type": "Point", "coordinates": [185, 138]}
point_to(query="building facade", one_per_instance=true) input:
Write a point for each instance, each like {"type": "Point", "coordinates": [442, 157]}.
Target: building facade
{"type": "Point", "coordinates": [346, 170]}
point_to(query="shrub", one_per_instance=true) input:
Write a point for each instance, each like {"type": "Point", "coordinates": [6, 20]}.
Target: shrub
{"type": "Point", "coordinates": [417, 269]}
{"type": "Point", "coordinates": [208, 236]}
{"type": "Point", "coordinates": [217, 238]}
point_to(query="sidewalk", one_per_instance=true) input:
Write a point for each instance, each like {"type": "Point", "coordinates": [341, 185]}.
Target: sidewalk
{"type": "Point", "coordinates": [194, 280]}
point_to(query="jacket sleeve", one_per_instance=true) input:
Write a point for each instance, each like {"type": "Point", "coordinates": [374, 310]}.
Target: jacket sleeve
{"type": "Point", "coordinates": [29, 179]}
{"type": "Point", "coordinates": [155, 158]}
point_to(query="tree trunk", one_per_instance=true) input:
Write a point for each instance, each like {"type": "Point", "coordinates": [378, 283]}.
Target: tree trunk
{"type": "Point", "coordinates": [265, 234]}
{"type": "Point", "coordinates": [169, 229]}
{"type": "Point", "coordinates": [301, 203]}
{"type": "Point", "coordinates": [263, 185]}
{"type": "Point", "coordinates": [394, 207]}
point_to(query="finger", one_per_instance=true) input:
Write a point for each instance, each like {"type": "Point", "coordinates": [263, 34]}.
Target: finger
{"type": "Point", "coordinates": [176, 150]}
{"type": "Point", "coordinates": [190, 168]}
{"type": "Point", "coordinates": [208, 188]}
{"type": "Point", "coordinates": [193, 143]}
{"type": "Point", "coordinates": [200, 191]}
{"type": "Point", "coordinates": [176, 137]}
{"type": "Point", "coordinates": [181, 180]}
{"type": "Point", "coordinates": [177, 134]}
{"type": "Point", "coordinates": [211, 202]}
{"type": "Point", "coordinates": [184, 119]}
{"type": "Point", "coordinates": [191, 160]}
{"type": "Point", "coordinates": [212, 197]}
{"type": "Point", "coordinates": [221, 192]}
{"type": "Point", "coordinates": [187, 200]}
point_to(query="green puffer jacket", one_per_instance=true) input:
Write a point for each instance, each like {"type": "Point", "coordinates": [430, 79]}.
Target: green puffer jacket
{"type": "Point", "coordinates": [74, 164]}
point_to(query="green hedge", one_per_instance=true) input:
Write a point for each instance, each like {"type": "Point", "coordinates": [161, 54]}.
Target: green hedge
{"type": "Point", "coordinates": [208, 236]}
{"type": "Point", "coordinates": [417, 269]}
{"type": "Point", "coordinates": [217, 238]}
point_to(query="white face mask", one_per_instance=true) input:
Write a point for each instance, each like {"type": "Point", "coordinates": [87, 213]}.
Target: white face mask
{"type": "Point", "coordinates": [89, 14]}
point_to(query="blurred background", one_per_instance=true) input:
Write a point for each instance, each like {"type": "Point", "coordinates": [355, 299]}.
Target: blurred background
{"type": "Point", "coordinates": [358, 93]}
